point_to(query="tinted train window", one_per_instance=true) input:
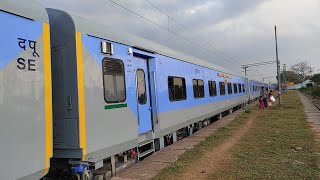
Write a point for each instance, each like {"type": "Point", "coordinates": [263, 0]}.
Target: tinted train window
{"type": "Point", "coordinates": [212, 88]}
{"type": "Point", "coordinates": [235, 88]}
{"type": "Point", "coordinates": [198, 88]}
{"type": "Point", "coordinates": [113, 80]}
{"type": "Point", "coordinates": [222, 87]}
{"type": "Point", "coordinates": [243, 88]}
{"type": "Point", "coordinates": [141, 87]}
{"type": "Point", "coordinates": [229, 88]}
{"type": "Point", "coordinates": [177, 88]}
{"type": "Point", "coordinates": [239, 88]}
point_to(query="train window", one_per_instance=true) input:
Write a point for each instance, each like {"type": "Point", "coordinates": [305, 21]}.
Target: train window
{"type": "Point", "coordinates": [198, 88]}
{"type": "Point", "coordinates": [177, 88]}
{"type": "Point", "coordinates": [113, 80]}
{"type": "Point", "coordinates": [222, 87]}
{"type": "Point", "coordinates": [229, 88]}
{"type": "Point", "coordinates": [243, 88]}
{"type": "Point", "coordinates": [141, 87]}
{"type": "Point", "coordinates": [212, 88]}
{"type": "Point", "coordinates": [235, 88]}
{"type": "Point", "coordinates": [239, 88]}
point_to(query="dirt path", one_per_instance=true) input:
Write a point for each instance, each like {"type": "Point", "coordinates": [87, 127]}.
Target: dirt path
{"type": "Point", "coordinates": [216, 159]}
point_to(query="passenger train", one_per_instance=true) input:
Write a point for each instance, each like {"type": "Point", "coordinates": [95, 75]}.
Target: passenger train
{"type": "Point", "coordinates": [81, 96]}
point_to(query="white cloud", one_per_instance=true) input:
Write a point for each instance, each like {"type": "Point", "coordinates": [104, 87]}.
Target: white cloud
{"type": "Point", "coordinates": [242, 29]}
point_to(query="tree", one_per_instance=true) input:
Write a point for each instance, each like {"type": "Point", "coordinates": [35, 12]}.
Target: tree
{"type": "Point", "coordinates": [302, 68]}
{"type": "Point", "coordinates": [291, 76]}
{"type": "Point", "coordinates": [316, 78]}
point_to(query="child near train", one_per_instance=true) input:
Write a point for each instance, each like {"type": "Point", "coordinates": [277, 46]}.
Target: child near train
{"type": "Point", "coordinates": [261, 103]}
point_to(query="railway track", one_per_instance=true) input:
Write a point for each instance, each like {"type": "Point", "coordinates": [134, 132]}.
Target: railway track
{"type": "Point", "coordinates": [314, 99]}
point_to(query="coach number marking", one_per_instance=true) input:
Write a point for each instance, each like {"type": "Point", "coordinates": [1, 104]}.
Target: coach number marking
{"type": "Point", "coordinates": [29, 63]}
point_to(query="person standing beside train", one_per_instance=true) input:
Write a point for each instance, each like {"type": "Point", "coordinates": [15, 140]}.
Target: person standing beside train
{"type": "Point", "coordinates": [263, 94]}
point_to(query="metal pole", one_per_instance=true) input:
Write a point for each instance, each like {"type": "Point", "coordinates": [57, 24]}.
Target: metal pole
{"type": "Point", "coordinates": [168, 23]}
{"type": "Point", "coordinates": [278, 67]}
{"type": "Point", "coordinates": [285, 77]}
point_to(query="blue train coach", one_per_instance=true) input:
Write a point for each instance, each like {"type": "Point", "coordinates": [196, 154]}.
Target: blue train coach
{"type": "Point", "coordinates": [25, 90]}
{"type": "Point", "coordinates": [114, 92]}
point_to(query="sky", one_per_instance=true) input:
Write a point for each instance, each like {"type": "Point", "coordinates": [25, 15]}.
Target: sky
{"type": "Point", "coordinates": [227, 33]}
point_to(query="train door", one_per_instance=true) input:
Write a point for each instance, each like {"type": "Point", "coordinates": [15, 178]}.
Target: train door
{"type": "Point", "coordinates": [143, 96]}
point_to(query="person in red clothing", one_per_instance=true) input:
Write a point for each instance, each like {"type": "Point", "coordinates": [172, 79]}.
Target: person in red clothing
{"type": "Point", "coordinates": [261, 103]}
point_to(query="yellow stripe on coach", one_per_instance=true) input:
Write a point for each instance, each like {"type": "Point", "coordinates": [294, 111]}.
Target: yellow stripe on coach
{"type": "Point", "coordinates": [82, 114]}
{"type": "Point", "coordinates": [48, 95]}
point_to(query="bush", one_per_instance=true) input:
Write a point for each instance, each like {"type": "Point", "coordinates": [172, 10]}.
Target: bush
{"type": "Point", "coordinates": [305, 89]}
{"type": "Point", "coordinates": [316, 91]}
{"type": "Point", "coordinates": [311, 90]}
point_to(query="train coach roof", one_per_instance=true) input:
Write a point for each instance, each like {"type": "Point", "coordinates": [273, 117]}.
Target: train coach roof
{"type": "Point", "coordinates": [26, 8]}
{"type": "Point", "coordinates": [105, 32]}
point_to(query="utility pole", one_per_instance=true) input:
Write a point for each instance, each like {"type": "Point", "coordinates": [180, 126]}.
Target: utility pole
{"type": "Point", "coordinates": [245, 70]}
{"type": "Point", "coordinates": [278, 66]}
{"type": "Point", "coordinates": [285, 76]}
{"type": "Point", "coordinates": [247, 84]}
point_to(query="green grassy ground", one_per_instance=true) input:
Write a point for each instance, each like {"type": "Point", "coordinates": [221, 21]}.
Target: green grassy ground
{"type": "Point", "coordinates": [192, 155]}
{"type": "Point", "coordinates": [311, 90]}
{"type": "Point", "coordinates": [280, 145]}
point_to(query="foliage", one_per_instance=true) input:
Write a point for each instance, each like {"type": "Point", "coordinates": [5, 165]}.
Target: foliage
{"type": "Point", "coordinates": [311, 90]}
{"type": "Point", "coordinates": [316, 78]}
{"type": "Point", "coordinates": [291, 76]}
{"type": "Point", "coordinates": [302, 68]}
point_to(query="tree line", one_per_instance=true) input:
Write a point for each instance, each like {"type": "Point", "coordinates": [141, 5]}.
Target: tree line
{"type": "Point", "coordinates": [300, 72]}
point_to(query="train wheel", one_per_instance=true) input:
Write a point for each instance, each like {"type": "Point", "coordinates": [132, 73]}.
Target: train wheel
{"type": "Point", "coordinates": [86, 175]}
{"type": "Point", "coordinates": [75, 177]}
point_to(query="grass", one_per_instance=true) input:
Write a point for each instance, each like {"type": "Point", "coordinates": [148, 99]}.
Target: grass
{"type": "Point", "coordinates": [272, 149]}
{"type": "Point", "coordinates": [311, 90]}
{"type": "Point", "coordinates": [280, 145]}
{"type": "Point", "coordinates": [211, 141]}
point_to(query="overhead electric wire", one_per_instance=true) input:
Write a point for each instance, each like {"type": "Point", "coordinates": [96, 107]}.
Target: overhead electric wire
{"type": "Point", "coordinates": [174, 33]}
{"type": "Point", "coordinates": [191, 32]}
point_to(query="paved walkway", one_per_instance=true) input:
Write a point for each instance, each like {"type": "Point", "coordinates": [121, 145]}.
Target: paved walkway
{"type": "Point", "coordinates": [150, 166]}
{"type": "Point", "coordinates": [312, 113]}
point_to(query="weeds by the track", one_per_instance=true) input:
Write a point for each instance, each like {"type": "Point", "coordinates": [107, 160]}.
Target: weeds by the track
{"type": "Point", "coordinates": [197, 152]}
{"type": "Point", "coordinates": [279, 145]}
